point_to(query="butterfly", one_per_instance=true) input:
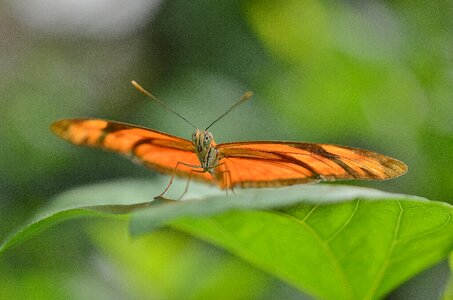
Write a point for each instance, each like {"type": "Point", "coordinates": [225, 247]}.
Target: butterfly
{"type": "Point", "coordinates": [243, 164]}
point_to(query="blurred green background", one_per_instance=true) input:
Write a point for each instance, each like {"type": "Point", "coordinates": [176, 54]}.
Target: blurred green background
{"type": "Point", "coordinates": [370, 74]}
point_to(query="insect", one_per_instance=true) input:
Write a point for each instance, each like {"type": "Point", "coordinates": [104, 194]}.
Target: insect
{"type": "Point", "coordinates": [243, 164]}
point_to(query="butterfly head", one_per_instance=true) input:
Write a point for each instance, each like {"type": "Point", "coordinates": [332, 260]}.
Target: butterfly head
{"type": "Point", "coordinates": [205, 149]}
{"type": "Point", "coordinates": [202, 140]}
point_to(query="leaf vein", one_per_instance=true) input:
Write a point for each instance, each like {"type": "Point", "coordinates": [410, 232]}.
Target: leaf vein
{"type": "Point", "coordinates": [380, 274]}
{"type": "Point", "coordinates": [328, 251]}
{"type": "Point", "coordinates": [310, 212]}
{"type": "Point", "coordinates": [339, 230]}
{"type": "Point", "coordinates": [422, 234]}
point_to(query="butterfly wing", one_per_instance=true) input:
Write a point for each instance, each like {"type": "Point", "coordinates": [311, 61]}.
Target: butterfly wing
{"type": "Point", "coordinates": [265, 164]}
{"type": "Point", "coordinates": [154, 149]}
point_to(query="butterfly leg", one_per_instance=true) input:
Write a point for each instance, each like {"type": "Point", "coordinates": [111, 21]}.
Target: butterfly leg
{"type": "Point", "coordinates": [188, 181]}
{"type": "Point", "coordinates": [226, 177]}
{"type": "Point", "coordinates": [174, 173]}
{"type": "Point", "coordinates": [229, 183]}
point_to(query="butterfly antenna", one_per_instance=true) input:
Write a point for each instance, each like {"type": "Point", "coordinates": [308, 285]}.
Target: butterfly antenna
{"type": "Point", "coordinates": [247, 95]}
{"type": "Point", "coordinates": [146, 93]}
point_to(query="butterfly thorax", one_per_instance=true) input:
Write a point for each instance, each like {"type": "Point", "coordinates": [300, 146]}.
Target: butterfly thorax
{"type": "Point", "coordinates": [206, 149]}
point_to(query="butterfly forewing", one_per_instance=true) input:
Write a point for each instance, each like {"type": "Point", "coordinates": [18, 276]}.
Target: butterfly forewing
{"type": "Point", "coordinates": [261, 164]}
{"type": "Point", "coordinates": [157, 150]}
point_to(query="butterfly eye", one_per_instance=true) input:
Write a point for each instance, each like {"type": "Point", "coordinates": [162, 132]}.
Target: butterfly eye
{"type": "Point", "coordinates": [194, 137]}
{"type": "Point", "coordinates": [207, 138]}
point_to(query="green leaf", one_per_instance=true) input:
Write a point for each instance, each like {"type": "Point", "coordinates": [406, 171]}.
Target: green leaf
{"type": "Point", "coordinates": [332, 241]}
{"type": "Point", "coordinates": [98, 200]}
{"type": "Point", "coordinates": [448, 293]}
{"type": "Point", "coordinates": [176, 269]}
{"type": "Point", "coordinates": [149, 219]}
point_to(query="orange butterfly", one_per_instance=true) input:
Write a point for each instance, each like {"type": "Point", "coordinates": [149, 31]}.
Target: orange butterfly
{"type": "Point", "coordinates": [244, 164]}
